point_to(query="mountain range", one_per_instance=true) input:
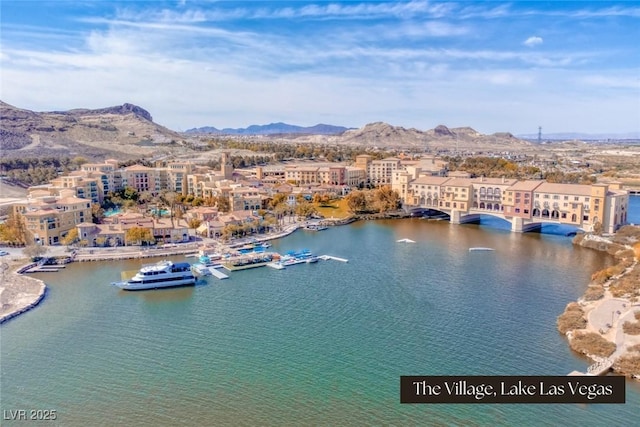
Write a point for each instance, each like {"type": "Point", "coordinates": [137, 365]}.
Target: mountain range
{"type": "Point", "coordinates": [128, 131]}
{"type": "Point", "coordinates": [271, 129]}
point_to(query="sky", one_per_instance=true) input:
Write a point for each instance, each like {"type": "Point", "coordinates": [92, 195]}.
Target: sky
{"type": "Point", "coordinates": [567, 66]}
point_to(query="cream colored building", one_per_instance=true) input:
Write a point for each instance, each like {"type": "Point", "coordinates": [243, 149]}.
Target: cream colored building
{"type": "Point", "coordinates": [48, 219]}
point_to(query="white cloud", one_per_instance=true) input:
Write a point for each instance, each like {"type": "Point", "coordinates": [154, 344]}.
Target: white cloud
{"type": "Point", "coordinates": [533, 41]}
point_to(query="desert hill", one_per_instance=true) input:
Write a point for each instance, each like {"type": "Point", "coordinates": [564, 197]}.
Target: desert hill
{"type": "Point", "coordinates": [121, 131]}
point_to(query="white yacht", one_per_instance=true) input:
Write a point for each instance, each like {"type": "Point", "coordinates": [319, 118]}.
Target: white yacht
{"type": "Point", "coordinates": [164, 274]}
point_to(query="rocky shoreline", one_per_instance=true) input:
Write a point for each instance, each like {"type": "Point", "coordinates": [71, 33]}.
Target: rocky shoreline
{"type": "Point", "coordinates": [19, 293]}
{"type": "Point", "coordinates": [604, 324]}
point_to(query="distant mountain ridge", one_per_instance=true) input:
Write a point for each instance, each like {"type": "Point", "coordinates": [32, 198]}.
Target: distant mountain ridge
{"type": "Point", "coordinates": [127, 131]}
{"type": "Point", "coordinates": [382, 134]}
{"type": "Point", "coordinates": [271, 129]}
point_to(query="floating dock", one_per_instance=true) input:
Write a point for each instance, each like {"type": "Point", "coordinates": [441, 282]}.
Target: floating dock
{"type": "Point", "coordinates": [335, 258]}
{"type": "Point", "coordinates": [405, 241]}
{"type": "Point", "coordinates": [217, 273]}
{"type": "Point", "coordinates": [276, 265]}
{"type": "Point", "coordinates": [45, 269]}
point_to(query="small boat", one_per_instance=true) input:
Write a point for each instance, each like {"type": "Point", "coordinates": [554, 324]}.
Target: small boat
{"type": "Point", "coordinates": [406, 241]}
{"type": "Point", "coordinates": [480, 249]}
{"type": "Point", "coordinates": [312, 260]}
{"type": "Point", "coordinates": [164, 274]}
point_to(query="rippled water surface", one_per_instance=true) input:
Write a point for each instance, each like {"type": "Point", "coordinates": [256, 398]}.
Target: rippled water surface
{"type": "Point", "coordinates": [317, 344]}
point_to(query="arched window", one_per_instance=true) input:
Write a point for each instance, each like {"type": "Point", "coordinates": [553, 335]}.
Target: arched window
{"type": "Point", "coordinates": [481, 205]}
{"type": "Point", "coordinates": [496, 207]}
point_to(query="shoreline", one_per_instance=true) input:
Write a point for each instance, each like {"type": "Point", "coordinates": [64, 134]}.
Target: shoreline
{"type": "Point", "coordinates": [19, 294]}
{"type": "Point", "coordinates": [600, 314]}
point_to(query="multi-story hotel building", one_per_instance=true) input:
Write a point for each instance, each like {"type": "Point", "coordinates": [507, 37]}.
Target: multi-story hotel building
{"type": "Point", "coordinates": [48, 219]}
{"type": "Point", "coordinates": [526, 204]}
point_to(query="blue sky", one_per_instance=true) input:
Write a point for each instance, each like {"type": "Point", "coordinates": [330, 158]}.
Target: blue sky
{"type": "Point", "coordinates": [494, 66]}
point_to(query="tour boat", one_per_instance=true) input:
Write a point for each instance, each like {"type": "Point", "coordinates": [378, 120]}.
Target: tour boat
{"type": "Point", "coordinates": [164, 274]}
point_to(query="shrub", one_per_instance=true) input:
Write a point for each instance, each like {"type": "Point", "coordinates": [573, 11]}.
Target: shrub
{"type": "Point", "coordinates": [628, 364]}
{"type": "Point", "coordinates": [591, 343]}
{"type": "Point", "coordinates": [631, 328]}
{"type": "Point", "coordinates": [627, 253]}
{"type": "Point", "coordinates": [627, 286]}
{"type": "Point", "coordinates": [634, 348]}
{"type": "Point", "coordinates": [594, 293]}
{"type": "Point", "coordinates": [599, 277]}
{"type": "Point", "coordinates": [572, 319]}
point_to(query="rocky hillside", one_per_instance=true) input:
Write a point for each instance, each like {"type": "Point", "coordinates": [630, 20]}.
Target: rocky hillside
{"type": "Point", "coordinates": [121, 131]}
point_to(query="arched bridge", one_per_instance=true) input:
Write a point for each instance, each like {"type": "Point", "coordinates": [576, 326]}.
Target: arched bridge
{"type": "Point", "coordinates": [518, 224]}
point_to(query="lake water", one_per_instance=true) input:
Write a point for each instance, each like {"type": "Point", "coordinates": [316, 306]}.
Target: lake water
{"type": "Point", "coordinates": [314, 344]}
